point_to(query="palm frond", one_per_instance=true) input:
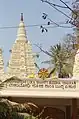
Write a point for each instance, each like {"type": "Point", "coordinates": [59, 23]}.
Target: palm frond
{"type": "Point", "coordinates": [52, 71]}
{"type": "Point", "coordinates": [46, 62]}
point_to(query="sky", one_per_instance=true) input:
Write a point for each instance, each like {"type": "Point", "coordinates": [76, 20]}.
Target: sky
{"type": "Point", "coordinates": [32, 9]}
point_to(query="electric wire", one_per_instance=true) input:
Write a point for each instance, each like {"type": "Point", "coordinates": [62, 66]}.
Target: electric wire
{"type": "Point", "coordinates": [52, 22]}
{"type": "Point", "coordinates": [60, 27]}
{"type": "Point", "coordinates": [33, 25]}
{"type": "Point", "coordinates": [53, 25]}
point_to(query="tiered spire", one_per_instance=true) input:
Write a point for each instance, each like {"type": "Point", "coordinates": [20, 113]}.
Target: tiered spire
{"type": "Point", "coordinates": [21, 16]}
{"type": "Point", "coordinates": [21, 34]}
{"type": "Point", "coordinates": [22, 61]}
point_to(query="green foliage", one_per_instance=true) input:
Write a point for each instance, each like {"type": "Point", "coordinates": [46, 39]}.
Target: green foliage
{"type": "Point", "coordinates": [59, 58]}
{"type": "Point", "coordinates": [62, 57]}
{"type": "Point", "coordinates": [15, 115]}
{"type": "Point", "coordinates": [11, 110]}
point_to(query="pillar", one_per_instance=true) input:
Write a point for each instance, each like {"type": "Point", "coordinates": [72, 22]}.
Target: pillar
{"type": "Point", "coordinates": [68, 112]}
{"type": "Point", "coordinates": [74, 108]}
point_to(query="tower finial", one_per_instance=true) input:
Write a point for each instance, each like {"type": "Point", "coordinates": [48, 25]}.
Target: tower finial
{"type": "Point", "coordinates": [21, 16]}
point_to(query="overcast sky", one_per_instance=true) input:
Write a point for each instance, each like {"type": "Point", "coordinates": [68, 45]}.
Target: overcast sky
{"type": "Point", "coordinates": [10, 16]}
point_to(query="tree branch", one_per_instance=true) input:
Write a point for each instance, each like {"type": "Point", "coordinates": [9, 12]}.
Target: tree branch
{"type": "Point", "coordinates": [45, 52]}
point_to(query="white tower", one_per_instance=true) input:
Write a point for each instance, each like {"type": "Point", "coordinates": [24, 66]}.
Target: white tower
{"type": "Point", "coordinates": [21, 62]}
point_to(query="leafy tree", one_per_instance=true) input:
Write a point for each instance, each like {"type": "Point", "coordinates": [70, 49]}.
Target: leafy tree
{"type": "Point", "coordinates": [59, 60]}
{"type": "Point", "coordinates": [62, 57]}
{"type": "Point", "coordinates": [70, 45]}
